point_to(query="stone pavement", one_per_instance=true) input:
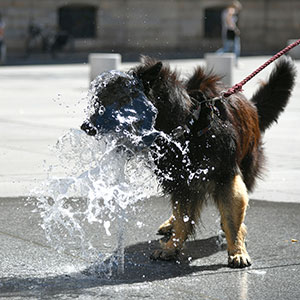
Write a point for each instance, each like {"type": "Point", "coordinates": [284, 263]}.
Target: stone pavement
{"type": "Point", "coordinates": [37, 105]}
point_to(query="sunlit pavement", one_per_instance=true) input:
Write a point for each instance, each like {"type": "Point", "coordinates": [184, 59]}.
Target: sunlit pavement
{"type": "Point", "coordinates": [38, 104]}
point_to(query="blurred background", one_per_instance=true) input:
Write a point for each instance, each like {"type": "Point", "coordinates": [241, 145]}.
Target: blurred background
{"type": "Point", "coordinates": [70, 29]}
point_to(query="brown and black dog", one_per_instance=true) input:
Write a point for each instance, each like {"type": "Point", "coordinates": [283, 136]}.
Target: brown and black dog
{"type": "Point", "coordinates": [215, 150]}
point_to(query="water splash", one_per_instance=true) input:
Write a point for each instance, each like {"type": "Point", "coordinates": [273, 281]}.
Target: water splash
{"type": "Point", "coordinates": [101, 184]}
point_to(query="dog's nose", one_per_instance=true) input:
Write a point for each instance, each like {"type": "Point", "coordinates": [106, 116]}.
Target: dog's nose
{"type": "Point", "coordinates": [88, 128]}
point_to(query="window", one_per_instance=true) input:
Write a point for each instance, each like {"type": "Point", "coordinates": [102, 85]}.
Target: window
{"type": "Point", "coordinates": [78, 20]}
{"type": "Point", "coordinates": [213, 22]}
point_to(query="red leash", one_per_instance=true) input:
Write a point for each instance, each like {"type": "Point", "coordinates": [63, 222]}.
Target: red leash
{"type": "Point", "coordinates": [238, 86]}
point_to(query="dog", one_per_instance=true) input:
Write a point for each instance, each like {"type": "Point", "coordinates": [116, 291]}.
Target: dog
{"type": "Point", "coordinates": [204, 146]}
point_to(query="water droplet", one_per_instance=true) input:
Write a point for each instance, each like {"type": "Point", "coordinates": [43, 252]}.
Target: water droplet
{"type": "Point", "coordinates": [139, 224]}
{"type": "Point", "coordinates": [186, 218]}
{"type": "Point", "coordinates": [106, 225]}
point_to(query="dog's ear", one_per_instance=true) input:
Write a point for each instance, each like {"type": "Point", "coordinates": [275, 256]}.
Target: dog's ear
{"type": "Point", "coordinates": [150, 74]}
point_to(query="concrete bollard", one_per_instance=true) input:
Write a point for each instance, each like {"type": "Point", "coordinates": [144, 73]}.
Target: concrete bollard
{"type": "Point", "coordinates": [222, 65]}
{"type": "Point", "coordinates": [101, 62]}
{"type": "Point", "coordinates": [295, 52]}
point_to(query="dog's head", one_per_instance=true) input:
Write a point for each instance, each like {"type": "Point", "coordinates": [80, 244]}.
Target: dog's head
{"type": "Point", "coordinates": [119, 104]}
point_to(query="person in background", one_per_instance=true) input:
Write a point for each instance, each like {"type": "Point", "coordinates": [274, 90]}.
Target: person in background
{"type": "Point", "coordinates": [2, 44]}
{"type": "Point", "coordinates": [230, 30]}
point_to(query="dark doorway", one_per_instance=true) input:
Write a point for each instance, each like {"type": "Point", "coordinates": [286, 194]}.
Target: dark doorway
{"type": "Point", "coordinates": [213, 22]}
{"type": "Point", "coordinates": [79, 21]}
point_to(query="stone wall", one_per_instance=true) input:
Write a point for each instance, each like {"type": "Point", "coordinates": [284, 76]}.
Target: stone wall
{"type": "Point", "coordinates": [267, 25]}
{"type": "Point", "coordinates": [156, 25]}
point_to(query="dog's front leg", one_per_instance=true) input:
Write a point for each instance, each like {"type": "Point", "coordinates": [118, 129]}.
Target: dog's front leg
{"type": "Point", "coordinates": [176, 230]}
{"type": "Point", "coordinates": [166, 227]}
{"type": "Point", "coordinates": [232, 203]}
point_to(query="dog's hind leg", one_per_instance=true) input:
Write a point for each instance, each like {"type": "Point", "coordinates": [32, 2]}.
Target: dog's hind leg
{"type": "Point", "coordinates": [232, 203]}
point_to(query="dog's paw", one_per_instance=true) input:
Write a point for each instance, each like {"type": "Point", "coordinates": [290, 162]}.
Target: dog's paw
{"type": "Point", "coordinates": [165, 254]}
{"type": "Point", "coordinates": [239, 261]}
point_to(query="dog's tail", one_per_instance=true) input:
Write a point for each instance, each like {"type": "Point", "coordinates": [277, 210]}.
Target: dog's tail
{"type": "Point", "coordinates": [272, 97]}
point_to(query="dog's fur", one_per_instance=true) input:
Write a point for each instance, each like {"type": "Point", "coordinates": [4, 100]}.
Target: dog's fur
{"type": "Point", "coordinates": [223, 147]}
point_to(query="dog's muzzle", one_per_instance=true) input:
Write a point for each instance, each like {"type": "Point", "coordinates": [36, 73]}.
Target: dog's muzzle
{"type": "Point", "coordinates": [134, 119]}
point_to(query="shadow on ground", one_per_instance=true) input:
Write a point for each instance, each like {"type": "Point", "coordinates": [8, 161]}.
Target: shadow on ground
{"type": "Point", "coordinates": [138, 268]}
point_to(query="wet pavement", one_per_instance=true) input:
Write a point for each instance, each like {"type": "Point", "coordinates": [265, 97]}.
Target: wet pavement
{"type": "Point", "coordinates": [29, 268]}
{"type": "Point", "coordinates": [40, 103]}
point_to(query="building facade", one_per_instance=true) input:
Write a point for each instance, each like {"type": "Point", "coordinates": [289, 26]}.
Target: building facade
{"type": "Point", "coordinates": [144, 25]}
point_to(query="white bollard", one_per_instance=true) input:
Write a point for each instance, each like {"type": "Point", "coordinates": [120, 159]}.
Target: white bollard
{"type": "Point", "coordinates": [101, 62]}
{"type": "Point", "coordinates": [295, 52]}
{"type": "Point", "coordinates": [222, 65]}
